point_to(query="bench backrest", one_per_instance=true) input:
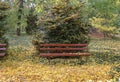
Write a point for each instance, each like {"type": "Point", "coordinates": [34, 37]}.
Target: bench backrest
{"type": "Point", "coordinates": [3, 49]}
{"type": "Point", "coordinates": [54, 50]}
{"type": "Point", "coordinates": [62, 47]}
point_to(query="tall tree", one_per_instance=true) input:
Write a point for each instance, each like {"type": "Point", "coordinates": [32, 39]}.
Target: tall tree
{"type": "Point", "coordinates": [20, 13]}
{"type": "Point", "coordinates": [31, 22]}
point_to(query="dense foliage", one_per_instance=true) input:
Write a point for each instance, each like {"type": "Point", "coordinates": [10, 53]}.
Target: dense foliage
{"type": "Point", "coordinates": [31, 22]}
{"type": "Point", "coordinates": [3, 14]}
{"type": "Point", "coordinates": [104, 15]}
{"type": "Point", "coordinates": [65, 23]}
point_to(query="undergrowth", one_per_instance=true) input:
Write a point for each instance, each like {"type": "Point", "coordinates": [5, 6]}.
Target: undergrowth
{"type": "Point", "coordinates": [23, 64]}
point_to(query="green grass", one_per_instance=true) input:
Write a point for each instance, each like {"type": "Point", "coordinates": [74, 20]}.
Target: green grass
{"type": "Point", "coordinates": [105, 50]}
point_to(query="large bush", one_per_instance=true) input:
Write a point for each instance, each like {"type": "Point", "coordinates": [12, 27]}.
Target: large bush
{"type": "Point", "coordinates": [64, 23]}
{"type": "Point", "coordinates": [3, 14]}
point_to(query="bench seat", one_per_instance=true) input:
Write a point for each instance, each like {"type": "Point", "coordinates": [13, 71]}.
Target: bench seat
{"type": "Point", "coordinates": [2, 54]}
{"type": "Point", "coordinates": [3, 49]}
{"type": "Point", "coordinates": [63, 54]}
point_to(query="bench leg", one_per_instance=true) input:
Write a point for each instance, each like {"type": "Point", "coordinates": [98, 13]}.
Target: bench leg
{"type": "Point", "coordinates": [48, 60]}
{"type": "Point", "coordinates": [80, 60]}
{"type": "Point", "coordinates": [64, 61]}
{"type": "Point", "coordinates": [86, 59]}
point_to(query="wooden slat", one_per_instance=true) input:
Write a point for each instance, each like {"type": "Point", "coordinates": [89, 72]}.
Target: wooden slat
{"type": "Point", "coordinates": [63, 44]}
{"type": "Point", "coordinates": [63, 54]}
{"type": "Point", "coordinates": [63, 49]}
{"type": "Point", "coordinates": [3, 44]}
{"type": "Point", "coordinates": [2, 54]}
{"type": "Point", "coordinates": [3, 49]}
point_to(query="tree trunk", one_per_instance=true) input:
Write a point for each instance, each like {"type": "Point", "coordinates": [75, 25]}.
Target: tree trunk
{"type": "Point", "coordinates": [18, 31]}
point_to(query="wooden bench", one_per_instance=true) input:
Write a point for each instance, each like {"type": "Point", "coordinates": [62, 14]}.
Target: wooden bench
{"type": "Point", "coordinates": [63, 50]}
{"type": "Point", "coordinates": [3, 49]}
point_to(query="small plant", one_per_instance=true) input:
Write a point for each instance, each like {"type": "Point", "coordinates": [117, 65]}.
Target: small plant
{"type": "Point", "coordinates": [115, 71]}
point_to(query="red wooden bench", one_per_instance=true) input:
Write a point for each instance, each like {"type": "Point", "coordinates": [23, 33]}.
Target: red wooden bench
{"type": "Point", "coordinates": [3, 49]}
{"type": "Point", "coordinates": [63, 50]}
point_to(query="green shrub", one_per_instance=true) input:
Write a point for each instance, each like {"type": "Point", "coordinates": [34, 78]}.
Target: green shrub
{"type": "Point", "coordinates": [3, 15]}
{"type": "Point", "coordinates": [63, 23]}
{"type": "Point", "coordinates": [3, 40]}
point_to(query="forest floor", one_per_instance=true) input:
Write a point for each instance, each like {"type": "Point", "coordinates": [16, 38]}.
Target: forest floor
{"type": "Point", "coordinates": [23, 65]}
